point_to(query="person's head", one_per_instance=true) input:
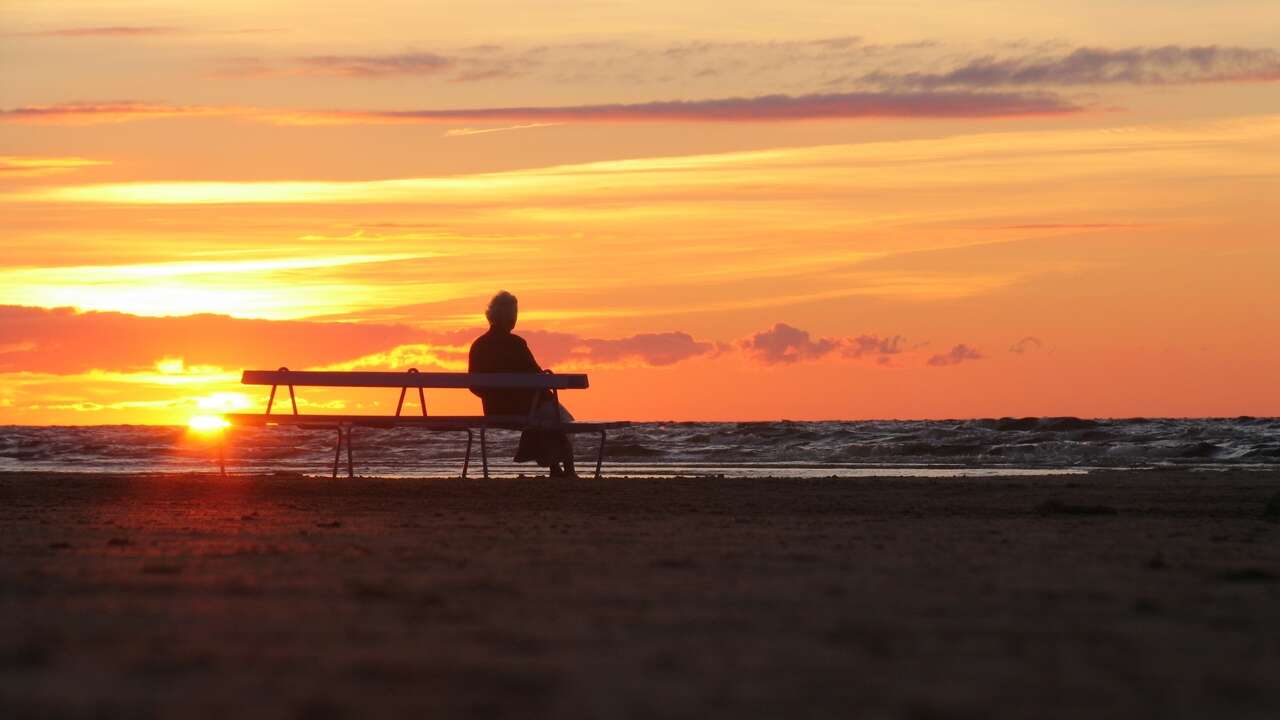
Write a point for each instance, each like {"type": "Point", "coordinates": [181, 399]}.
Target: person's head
{"type": "Point", "coordinates": [502, 311]}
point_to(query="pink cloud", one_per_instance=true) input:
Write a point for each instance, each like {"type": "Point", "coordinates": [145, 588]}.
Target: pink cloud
{"type": "Point", "coordinates": [767, 108]}
{"type": "Point", "coordinates": [1170, 64]}
{"type": "Point", "coordinates": [1026, 345]}
{"type": "Point", "coordinates": [63, 341]}
{"type": "Point", "coordinates": [93, 113]}
{"type": "Point", "coordinates": [656, 349]}
{"type": "Point", "coordinates": [882, 347]}
{"type": "Point", "coordinates": [420, 63]}
{"type": "Point", "coordinates": [106, 31]}
{"type": "Point", "coordinates": [784, 344]}
{"type": "Point", "coordinates": [956, 355]}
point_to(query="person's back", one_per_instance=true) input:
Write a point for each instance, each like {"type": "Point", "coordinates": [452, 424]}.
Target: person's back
{"type": "Point", "coordinates": [501, 351]}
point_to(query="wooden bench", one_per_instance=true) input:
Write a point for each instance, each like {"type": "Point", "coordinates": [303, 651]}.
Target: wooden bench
{"type": "Point", "coordinates": [412, 379]}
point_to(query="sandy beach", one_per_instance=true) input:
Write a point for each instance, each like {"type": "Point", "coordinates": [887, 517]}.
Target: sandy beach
{"type": "Point", "coordinates": [1116, 594]}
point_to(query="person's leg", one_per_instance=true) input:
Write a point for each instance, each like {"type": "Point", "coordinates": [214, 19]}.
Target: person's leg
{"type": "Point", "coordinates": [566, 454]}
{"type": "Point", "coordinates": [557, 445]}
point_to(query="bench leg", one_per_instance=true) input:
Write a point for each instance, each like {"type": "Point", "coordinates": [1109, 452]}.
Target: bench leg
{"type": "Point", "coordinates": [466, 461]}
{"type": "Point", "coordinates": [600, 455]}
{"type": "Point", "coordinates": [484, 454]}
{"type": "Point", "coordinates": [337, 453]}
{"type": "Point", "coordinates": [222, 453]}
{"type": "Point", "coordinates": [351, 472]}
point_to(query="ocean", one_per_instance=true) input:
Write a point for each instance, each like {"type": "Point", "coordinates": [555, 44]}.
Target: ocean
{"type": "Point", "coordinates": [1015, 446]}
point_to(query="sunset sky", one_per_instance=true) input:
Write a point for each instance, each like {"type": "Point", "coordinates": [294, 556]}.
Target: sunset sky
{"type": "Point", "coordinates": [815, 209]}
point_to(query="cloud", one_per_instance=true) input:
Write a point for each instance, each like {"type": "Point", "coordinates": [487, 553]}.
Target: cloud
{"type": "Point", "coordinates": [1171, 64]}
{"type": "Point", "coordinates": [63, 341]}
{"type": "Point", "coordinates": [566, 351]}
{"type": "Point", "coordinates": [418, 63]}
{"type": "Point", "coordinates": [655, 349]}
{"type": "Point", "coordinates": [784, 344]}
{"type": "Point", "coordinates": [106, 31]}
{"type": "Point", "coordinates": [1069, 226]}
{"type": "Point", "coordinates": [471, 64]}
{"type": "Point", "coordinates": [881, 348]}
{"type": "Point", "coordinates": [764, 108]}
{"type": "Point", "coordinates": [958, 354]}
{"type": "Point", "coordinates": [114, 111]}
{"type": "Point", "coordinates": [12, 165]}
{"type": "Point", "coordinates": [1026, 344]}
{"type": "Point", "coordinates": [464, 132]}
{"type": "Point", "coordinates": [608, 63]}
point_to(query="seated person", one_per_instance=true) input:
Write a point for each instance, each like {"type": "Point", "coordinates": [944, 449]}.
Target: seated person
{"type": "Point", "coordinates": [500, 351]}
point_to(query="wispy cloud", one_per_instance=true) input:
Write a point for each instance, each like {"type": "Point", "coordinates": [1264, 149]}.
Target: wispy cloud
{"type": "Point", "coordinates": [63, 341]}
{"type": "Point", "coordinates": [566, 351]}
{"type": "Point", "coordinates": [417, 63]}
{"type": "Point", "coordinates": [1067, 226]}
{"type": "Point", "coordinates": [784, 344]}
{"type": "Point", "coordinates": [1026, 345]}
{"type": "Point", "coordinates": [111, 111]}
{"type": "Point", "coordinates": [765, 108]}
{"type": "Point", "coordinates": [136, 31]}
{"type": "Point", "coordinates": [1171, 64]}
{"type": "Point", "coordinates": [874, 345]}
{"type": "Point", "coordinates": [956, 355]}
{"type": "Point", "coordinates": [463, 132]}
{"type": "Point", "coordinates": [105, 31]}
{"type": "Point", "coordinates": [12, 165]}
{"type": "Point", "coordinates": [653, 349]}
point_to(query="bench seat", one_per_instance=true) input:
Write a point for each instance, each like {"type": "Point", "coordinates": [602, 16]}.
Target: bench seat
{"type": "Point", "coordinates": [448, 422]}
{"type": "Point", "coordinates": [412, 379]}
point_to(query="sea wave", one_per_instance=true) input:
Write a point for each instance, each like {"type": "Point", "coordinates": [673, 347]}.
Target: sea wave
{"type": "Point", "coordinates": [1048, 442]}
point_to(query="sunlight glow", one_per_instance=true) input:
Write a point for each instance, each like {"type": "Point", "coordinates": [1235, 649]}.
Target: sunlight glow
{"type": "Point", "coordinates": [207, 424]}
{"type": "Point", "coordinates": [224, 401]}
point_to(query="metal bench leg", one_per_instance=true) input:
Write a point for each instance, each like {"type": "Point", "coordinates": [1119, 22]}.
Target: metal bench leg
{"type": "Point", "coordinates": [600, 455]}
{"type": "Point", "coordinates": [484, 454]}
{"type": "Point", "coordinates": [351, 472]}
{"type": "Point", "coordinates": [222, 453]}
{"type": "Point", "coordinates": [466, 461]}
{"type": "Point", "coordinates": [337, 453]}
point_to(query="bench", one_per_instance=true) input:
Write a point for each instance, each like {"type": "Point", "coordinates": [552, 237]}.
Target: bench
{"type": "Point", "coordinates": [412, 379]}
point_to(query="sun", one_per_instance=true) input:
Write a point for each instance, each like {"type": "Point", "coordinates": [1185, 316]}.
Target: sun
{"type": "Point", "coordinates": [207, 424]}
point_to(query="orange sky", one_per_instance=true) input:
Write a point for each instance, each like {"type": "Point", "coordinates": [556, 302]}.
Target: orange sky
{"type": "Point", "coordinates": [795, 210]}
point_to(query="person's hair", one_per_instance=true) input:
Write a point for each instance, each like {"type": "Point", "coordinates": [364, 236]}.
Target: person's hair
{"type": "Point", "coordinates": [502, 310]}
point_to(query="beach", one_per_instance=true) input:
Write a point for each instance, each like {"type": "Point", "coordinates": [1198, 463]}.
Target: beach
{"type": "Point", "coordinates": [1145, 593]}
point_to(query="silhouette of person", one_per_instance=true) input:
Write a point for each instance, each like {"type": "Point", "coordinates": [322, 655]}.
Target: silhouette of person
{"type": "Point", "coordinates": [501, 351]}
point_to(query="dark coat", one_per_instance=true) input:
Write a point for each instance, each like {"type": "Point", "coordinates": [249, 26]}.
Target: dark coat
{"type": "Point", "coordinates": [502, 352]}
{"type": "Point", "coordinates": [499, 351]}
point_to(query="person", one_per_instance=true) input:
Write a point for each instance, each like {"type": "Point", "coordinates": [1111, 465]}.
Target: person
{"type": "Point", "coordinates": [501, 351]}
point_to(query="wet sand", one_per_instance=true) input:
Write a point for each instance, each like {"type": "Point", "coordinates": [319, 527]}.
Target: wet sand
{"type": "Point", "coordinates": [1142, 594]}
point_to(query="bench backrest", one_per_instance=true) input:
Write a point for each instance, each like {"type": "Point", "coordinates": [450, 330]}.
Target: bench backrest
{"type": "Point", "coordinates": [308, 378]}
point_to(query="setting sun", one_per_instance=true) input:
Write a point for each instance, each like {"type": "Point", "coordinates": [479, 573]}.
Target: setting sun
{"type": "Point", "coordinates": [873, 210]}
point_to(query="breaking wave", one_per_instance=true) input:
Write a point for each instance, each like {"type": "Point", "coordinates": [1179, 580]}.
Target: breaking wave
{"type": "Point", "coordinates": [672, 448]}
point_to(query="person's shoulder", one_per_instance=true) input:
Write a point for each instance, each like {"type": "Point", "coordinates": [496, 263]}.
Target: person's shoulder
{"type": "Point", "coordinates": [518, 340]}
